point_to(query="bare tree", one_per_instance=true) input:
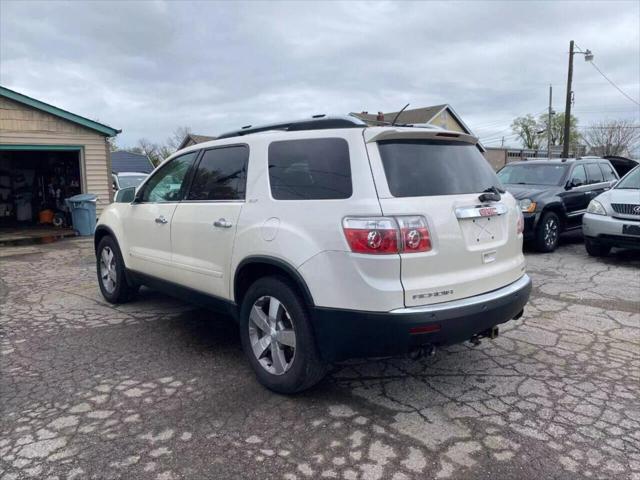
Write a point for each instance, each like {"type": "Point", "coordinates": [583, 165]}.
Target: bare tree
{"type": "Point", "coordinates": [158, 152]}
{"type": "Point", "coordinates": [612, 137]}
{"type": "Point", "coordinates": [164, 151]}
{"type": "Point", "coordinates": [176, 138]}
{"type": "Point", "coordinates": [148, 148]}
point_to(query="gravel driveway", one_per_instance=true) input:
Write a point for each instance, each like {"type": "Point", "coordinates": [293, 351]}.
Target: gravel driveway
{"type": "Point", "coordinates": [157, 389]}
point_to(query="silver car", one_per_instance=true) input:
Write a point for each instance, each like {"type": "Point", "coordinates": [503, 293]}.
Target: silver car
{"type": "Point", "coordinates": [613, 217]}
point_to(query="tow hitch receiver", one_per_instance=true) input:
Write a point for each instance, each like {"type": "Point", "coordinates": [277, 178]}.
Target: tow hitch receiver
{"type": "Point", "coordinates": [490, 333]}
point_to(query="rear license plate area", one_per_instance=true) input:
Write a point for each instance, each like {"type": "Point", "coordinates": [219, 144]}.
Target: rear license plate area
{"type": "Point", "coordinates": [482, 230]}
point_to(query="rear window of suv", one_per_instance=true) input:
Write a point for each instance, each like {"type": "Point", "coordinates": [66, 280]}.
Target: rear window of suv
{"type": "Point", "coordinates": [419, 168]}
{"type": "Point", "coordinates": [310, 169]}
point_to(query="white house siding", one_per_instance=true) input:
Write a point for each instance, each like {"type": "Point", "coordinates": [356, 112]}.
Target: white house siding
{"type": "Point", "coordinates": [20, 124]}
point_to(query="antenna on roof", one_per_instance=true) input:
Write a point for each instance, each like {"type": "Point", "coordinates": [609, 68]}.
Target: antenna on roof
{"type": "Point", "coordinates": [398, 114]}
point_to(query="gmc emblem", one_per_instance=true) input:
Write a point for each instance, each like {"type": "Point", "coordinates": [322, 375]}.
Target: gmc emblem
{"type": "Point", "coordinates": [488, 211]}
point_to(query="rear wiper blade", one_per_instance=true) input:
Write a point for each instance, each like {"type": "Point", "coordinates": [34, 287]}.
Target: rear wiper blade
{"type": "Point", "coordinates": [491, 194]}
{"type": "Point", "coordinates": [494, 189]}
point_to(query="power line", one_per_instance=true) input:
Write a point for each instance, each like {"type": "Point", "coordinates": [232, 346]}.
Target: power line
{"type": "Point", "coordinates": [499, 138]}
{"type": "Point", "coordinates": [612, 83]}
{"type": "Point", "coordinates": [496, 136]}
{"type": "Point", "coordinates": [608, 111]}
{"type": "Point", "coordinates": [499, 133]}
{"type": "Point", "coordinates": [615, 127]}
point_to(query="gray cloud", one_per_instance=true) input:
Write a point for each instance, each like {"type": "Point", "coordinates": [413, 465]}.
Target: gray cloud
{"type": "Point", "coordinates": [147, 67]}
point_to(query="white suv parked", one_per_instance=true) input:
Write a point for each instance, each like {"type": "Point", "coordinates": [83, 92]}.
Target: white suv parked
{"type": "Point", "coordinates": [326, 239]}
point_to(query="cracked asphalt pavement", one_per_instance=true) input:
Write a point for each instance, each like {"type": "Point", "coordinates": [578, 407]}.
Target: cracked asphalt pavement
{"type": "Point", "coordinates": [158, 389]}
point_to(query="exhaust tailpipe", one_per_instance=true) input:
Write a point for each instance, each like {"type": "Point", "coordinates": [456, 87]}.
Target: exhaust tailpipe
{"type": "Point", "coordinates": [422, 351]}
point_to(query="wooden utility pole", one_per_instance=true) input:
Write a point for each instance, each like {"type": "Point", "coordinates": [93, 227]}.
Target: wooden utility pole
{"type": "Point", "coordinates": [549, 122]}
{"type": "Point", "coordinates": [567, 108]}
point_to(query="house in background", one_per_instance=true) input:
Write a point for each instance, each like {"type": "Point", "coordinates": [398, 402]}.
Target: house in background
{"type": "Point", "coordinates": [48, 154]}
{"type": "Point", "coordinates": [123, 161]}
{"type": "Point", "coordinates": [193, 139]}
{"type": "Point", "coordinates": [443, 116]}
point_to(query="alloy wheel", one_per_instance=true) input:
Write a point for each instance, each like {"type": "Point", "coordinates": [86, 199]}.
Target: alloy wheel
{"type": "Point", "coordinates": [108, 274]}
{"type": "Point", "coordinates": [272, 335]}
{"type": "Point", "coordinates": [550, 232]}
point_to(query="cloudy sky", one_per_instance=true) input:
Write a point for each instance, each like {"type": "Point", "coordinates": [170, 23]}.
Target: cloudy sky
{"type": "Point", "coordinates": [148, 67]}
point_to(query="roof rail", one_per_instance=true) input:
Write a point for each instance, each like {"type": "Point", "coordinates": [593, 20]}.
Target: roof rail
{"type": "Point", "coordinates": [316, 122]}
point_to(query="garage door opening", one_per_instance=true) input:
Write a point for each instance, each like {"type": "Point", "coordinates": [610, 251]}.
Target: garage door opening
{"type": "Point", "coordinates": [33, 187]}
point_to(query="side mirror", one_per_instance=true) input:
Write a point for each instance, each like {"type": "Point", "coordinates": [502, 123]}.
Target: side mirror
{"type": "Point", "coordinates": [138, 195]}
{"type": "Point", "coordinates": [573, 183]}
{"type": "Point", "coordinates": [125, 195]}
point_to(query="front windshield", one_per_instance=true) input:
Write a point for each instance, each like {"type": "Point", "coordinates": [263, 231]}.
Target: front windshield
{"type": "Point", "coordinates": [532, 174]}
{"type": "Point", "coordinates": [631, 181]}
{"type": "Point", "coordinates": [130, 180]}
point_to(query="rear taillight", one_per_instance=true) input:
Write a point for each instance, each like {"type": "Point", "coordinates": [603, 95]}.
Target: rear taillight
{"type": "Point", "coordinates": [377, 235]}
{"type": "Point", "coordinates": [414, 234]}
{"type": "Point", "coordinates": [387, 235]}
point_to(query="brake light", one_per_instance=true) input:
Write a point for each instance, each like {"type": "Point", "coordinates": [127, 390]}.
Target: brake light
{"type": "Point", "coordinates": [414, 234]}
{"type": "Point", "coordinates": [377, 235]}
{"type": "Point", "coordinates": [387, 235]}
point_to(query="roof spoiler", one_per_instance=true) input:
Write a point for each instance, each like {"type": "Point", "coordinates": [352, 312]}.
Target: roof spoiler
{"type": "Point", "coordinates": [316, 122]}
{"type": "Point", "coordinates": [377, 134]}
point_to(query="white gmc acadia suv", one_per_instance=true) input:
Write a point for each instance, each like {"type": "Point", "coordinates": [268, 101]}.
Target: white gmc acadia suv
{"type": "Point", "coordinates": [326, 239]}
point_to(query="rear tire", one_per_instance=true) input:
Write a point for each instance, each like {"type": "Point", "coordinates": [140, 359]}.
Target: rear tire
{"type": "Point", "coordinates": [548, 233]}
{"type": "Point", "coordinates": [112, 278]}
{"type": "Point", "coordinates": [276, 335]}
{"type": "Point", "coordinates": [596, 249]}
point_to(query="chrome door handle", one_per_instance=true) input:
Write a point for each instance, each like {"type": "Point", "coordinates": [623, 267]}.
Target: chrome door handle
{"type": "Point", "coordinates": [222, 223]}
{"type": "Point", "coordinates": [161, 220]}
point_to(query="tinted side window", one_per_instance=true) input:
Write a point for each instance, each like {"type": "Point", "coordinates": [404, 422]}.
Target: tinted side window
{"type": "Point", "coordinates": [578, 176]}
{"type": "Point", "coordinates": [607, 171]}
{"type": "Point", "coordinates": [166, 185]}
{"type": "Point", "coordinates": [221, 174]}
{"type": "Point", "coordinates": [594, 173]}
{"type": "Point", "coordinates": [312, 169]}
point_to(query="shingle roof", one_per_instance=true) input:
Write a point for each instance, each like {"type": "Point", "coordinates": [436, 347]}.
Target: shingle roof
{"type": "Point", "coordinates": [415, 115]}
{"type": "Point", "coordinates": [418, 115]}
{"type": "Point", "coordinates": [59, 112]}
{"type": "Point", "coordinates": [193, 139]}
{"type": "Point", "coordinates": [122, 161]}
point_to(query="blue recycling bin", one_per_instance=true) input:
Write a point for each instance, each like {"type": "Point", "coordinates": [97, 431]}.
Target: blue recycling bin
{"type": "Point", "coordinates": [83, 212]}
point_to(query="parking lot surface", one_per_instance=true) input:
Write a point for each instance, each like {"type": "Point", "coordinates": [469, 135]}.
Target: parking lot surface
{"type": "Point", "coordinates": [157, 389]}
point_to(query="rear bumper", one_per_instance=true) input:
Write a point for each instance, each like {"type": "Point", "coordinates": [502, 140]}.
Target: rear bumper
{"type": "Point", "coordinates": [343, 334]}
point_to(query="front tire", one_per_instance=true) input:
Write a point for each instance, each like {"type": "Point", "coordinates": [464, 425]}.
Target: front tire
{"type": "Point", "coordinates": [276, 335]}
{"type": "Point", "coordinates": [596, 249]}
{"type": "Point", "coordinates": [548, 233]}
{"type": "Point", "coordinates": [113, 282]}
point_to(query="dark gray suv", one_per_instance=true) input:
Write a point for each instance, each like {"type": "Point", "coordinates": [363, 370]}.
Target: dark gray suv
{"type": "Point", "coordinates": [554, 194]}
